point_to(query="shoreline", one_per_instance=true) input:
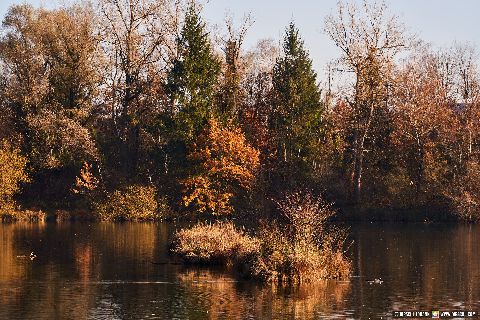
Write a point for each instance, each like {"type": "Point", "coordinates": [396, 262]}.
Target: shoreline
{"type": "Point", "coordinates": [346, 215]}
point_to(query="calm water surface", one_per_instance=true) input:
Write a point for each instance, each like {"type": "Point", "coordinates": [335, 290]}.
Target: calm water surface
{"type": "Point", "coordinates": [122, 271]}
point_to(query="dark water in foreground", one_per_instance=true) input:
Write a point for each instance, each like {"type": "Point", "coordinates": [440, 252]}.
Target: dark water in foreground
{"type": "Point", "coordinates": [105, 271]}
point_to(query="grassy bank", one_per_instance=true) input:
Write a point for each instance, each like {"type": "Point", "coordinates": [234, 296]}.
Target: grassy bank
{"type": "Point", "coordinates": [23, 215]}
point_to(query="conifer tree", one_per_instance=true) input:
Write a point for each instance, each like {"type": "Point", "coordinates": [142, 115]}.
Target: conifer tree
{"type": "Point", "coordinates": [193, 77]}
{"type": "Point", "coordinates": [297, 120]}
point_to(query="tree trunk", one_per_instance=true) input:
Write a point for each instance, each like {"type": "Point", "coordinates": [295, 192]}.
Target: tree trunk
{"type": "Point", "coordinates": [358, 170]}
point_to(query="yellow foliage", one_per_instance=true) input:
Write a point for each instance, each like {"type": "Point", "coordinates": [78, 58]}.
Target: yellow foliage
{"type": "Point", "coordinates": [199, 190]}
{"type": "Point", "coordinates": [85, 181]}
{"type": "Point", "coordinates": [134, 203]}
{"type": "Point", "coordinates": [12, 174]}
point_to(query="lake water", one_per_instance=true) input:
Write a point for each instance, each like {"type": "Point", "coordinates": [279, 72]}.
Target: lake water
{"type": "Point", "coordinates": [123, 271]}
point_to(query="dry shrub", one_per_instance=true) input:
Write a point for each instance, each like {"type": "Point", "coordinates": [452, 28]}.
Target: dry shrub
{"type": "Point", "coordinates": [306, 250]}
{"type": "Point", "coordinates": [133, 203]}
{"type": "Point", "coordinates": [306, 216]}
{"type": "Point", "coordinates": [23, 215]}
{"type": "Point", "coordinates": [284, 261]}
{"type": "Point", "coordinates": [217, 243]}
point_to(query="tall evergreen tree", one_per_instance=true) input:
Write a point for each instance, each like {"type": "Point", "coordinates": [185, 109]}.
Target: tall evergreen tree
{"type": "Point", "coordinates": [193, 78]}
{"type": "Point", "coordinates": [297, 119]}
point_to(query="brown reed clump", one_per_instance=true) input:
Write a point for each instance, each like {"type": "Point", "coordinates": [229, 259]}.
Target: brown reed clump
{"type": "Point", "coordinates": [217, 243]}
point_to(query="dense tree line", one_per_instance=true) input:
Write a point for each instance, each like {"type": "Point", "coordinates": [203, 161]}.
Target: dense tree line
{"type": "Point", "coordinates": [98, 101]}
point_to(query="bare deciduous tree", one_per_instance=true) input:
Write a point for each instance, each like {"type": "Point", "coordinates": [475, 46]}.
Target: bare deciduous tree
{"type": "Point", "coordinates": [232, 69]}
{"type": "Point", "coordinates": [369, 38]}
{"type": "Point", "coordinates": [139, 37]}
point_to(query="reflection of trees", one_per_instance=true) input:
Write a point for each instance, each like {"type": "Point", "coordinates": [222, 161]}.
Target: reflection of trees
{"type": "Point", "coordinates": [221, 297]}
{"type": "Point", "coordinates": [40, 288]}
{"type": "Point", "coordinates": [122, 256]}
{"type": "Point", "coordinates": [105, 270]}
{"type": "Point", "coordinates": [122, 245]}
{"type": "Point", "coordinates": [71, 258]}
{"type": "Point", "coordinates": [83, 254]}
{"type": "Point", "coordinates": [422, 267]}
{"type": "Point", "coordinates": [12, 268]}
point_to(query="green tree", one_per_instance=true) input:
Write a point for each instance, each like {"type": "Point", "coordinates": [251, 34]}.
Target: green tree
{"type": "Point", "coordinates": [297, 119]}
{"type": "Point", "coordinates": [193, 77]}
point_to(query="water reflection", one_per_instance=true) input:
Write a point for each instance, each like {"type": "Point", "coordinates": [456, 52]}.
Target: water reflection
{"type": "Point", "coordinates": [423, 267]}
{"type": "Point", "coordinates": [118, 271]}
{"type": "Point", "coordinates": [221, 297]}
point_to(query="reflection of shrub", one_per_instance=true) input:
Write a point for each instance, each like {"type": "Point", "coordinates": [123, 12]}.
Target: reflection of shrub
{"type": "Point", "coordinates": [304, 250]}
{"type": "Point", "coordinates": [12, 174]}
{"type": "Point", "coordinates": [303, 301]}
{"type": "Point", "coordinates": [134, 203]}
{"type": "Point", "coordinates": [218, 243]}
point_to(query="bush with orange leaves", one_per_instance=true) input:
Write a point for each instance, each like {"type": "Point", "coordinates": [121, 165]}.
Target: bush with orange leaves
{"type": "Point", "coordinates": [85, 182]}
{"type": "Point", "coordinates": [226, 165]}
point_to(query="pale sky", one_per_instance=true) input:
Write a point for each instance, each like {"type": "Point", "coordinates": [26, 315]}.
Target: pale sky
{"type": "Point", "coordinates": [440, 22]}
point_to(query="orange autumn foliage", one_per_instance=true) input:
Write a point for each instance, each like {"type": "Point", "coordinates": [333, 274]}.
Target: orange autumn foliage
{"type": "Point", "coordinates": [226, 164]}
{"type": "Point", "coordinates": [85, 182]}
